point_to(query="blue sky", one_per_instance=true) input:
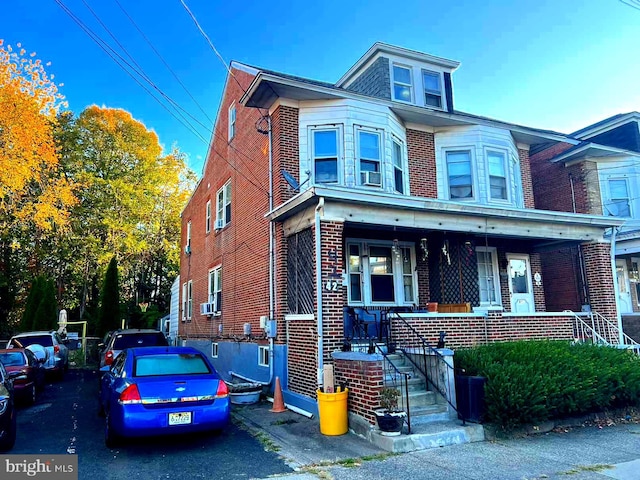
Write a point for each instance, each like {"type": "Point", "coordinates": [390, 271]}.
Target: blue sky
{"type": "Point", "coordinates": [550, 64]}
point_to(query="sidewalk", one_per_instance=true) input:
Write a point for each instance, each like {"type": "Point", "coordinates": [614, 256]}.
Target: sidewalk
{"type": "Point", "coordinates": [587, 453]}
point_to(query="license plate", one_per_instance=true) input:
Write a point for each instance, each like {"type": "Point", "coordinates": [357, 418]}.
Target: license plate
{"type": "Point", "coordinates": [181, 418]}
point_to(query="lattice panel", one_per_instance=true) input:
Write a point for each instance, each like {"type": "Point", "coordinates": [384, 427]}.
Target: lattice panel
{"type": "Point", "coordinates": [453, 279]}
{"type": "Point", "coordinates": [300, 272]}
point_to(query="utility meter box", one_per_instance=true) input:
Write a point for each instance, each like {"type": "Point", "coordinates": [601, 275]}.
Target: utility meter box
{"type": "Point", "coordinates": [264, 319]}
{"type": "Point", "coordinates": [271, 329]}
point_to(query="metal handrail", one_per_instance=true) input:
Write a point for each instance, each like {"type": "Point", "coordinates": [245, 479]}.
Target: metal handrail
{"type": "Point", "coordinates": [602, 331]}
{"type": "Point", "coordinates": [404, 377]}
{"type": "Point", "coordinates": [446, 390]}
{"type": "Point", "coordinates": [627, 340]}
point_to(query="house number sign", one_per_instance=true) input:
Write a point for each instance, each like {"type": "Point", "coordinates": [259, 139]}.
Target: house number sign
{"type": "Point", "coordinates": [332, 283]}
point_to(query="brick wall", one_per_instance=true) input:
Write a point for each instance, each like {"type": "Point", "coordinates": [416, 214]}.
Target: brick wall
{"type": "Point", "coordinates": [365, 381]}
{"type": "Point", "coordinates": [538, 290]}
{"type": "Point", "coordinates": [332, 301]}
{"type": "Point", "coordinates": [525, 173]}
{"type": "Point", "coordinates": [561, 278]}
{"type": "Point", "coordinates": [597, 261]}
{"type": "Point", "coordinates": [422, 164]}
{"type": "Point", "coordinates": [286, 151]}
{"type": "Point", "coordinates": [302, 357]}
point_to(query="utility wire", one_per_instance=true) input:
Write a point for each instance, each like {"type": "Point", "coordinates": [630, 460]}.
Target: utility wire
{"type": "Point", "coordinates": [175, 75]}
{"type": "Point", "coordinates": [113, 54]}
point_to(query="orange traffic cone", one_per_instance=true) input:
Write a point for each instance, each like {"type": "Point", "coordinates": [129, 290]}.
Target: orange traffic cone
{"type": "Point", "coordinates": [278, 402]}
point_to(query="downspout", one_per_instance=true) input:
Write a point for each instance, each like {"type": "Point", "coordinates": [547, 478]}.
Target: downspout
{"type": "Point", "coordinates": [272, 255]}
{"type": "Point", "coordinates": [614, 231]}
{"type": "Point", "coordinates": [319, 288]}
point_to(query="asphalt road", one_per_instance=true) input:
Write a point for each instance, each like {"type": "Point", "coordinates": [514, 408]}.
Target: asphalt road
{"type": "Point", "coordinates": [65, 420]}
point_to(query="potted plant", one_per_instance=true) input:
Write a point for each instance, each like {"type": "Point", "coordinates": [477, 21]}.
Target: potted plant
{"type": "Point", "coordinates": [390, 418]}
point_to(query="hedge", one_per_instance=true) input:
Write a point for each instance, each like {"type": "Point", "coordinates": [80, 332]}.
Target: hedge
{"type": "Point", "coordinates": [534, 381]}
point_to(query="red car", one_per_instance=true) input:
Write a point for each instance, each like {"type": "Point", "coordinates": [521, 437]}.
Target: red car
{"type": "Point", "coordinates": [30, 369]}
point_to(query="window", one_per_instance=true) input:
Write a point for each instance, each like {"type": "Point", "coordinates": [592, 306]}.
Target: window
{"type": "Point", "coordinates": [459, 174]}
{"type": "Point", "coordinates": [398, 167]}
{"type": "Point", "coordinates": [488, 280]}
{"type": "Point", "coordinates": [263, 355]}
{"type": "Point", "coordinates": [208, 217]}
{"type": "Point", "coordinates": [223, 206]}
{"type": "Point", "coordinates": [497, 176]}
{"type": "Point", "coordinates": [380, 274]}
{"type": "Point", "coordinates": [232, 121]}
{"type": "Point", "coordinates": [184, 301]}
{"type": "Point", "coordinates": [188, 244]}
{"type": "Point", "coordinates": [402, 85]}
{"type": "Point", "coordinates": [215, 289]}
{"type": "Point", "coordinates": [619, 204]}
{"type": "Point", "coordinates": [369, 158]}
{"type": "Point", "coordinates": [325, 155]}
{"type": "Point", "coordinates": [432, 89]}
{"type": "Point", "coordinates": [214, 350]}
{"type": "Point", "coordinates": [189, 299]}
{"type": "Point", "coordinates": [517, 178]}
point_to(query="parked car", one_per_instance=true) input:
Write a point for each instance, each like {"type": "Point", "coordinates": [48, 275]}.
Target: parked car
{"type": "Point", "coordinates": [8, 424]}
{"type": "Point", "coordinates": [129, 338]}
{"type": "Point", "coordinates": [162, 390]}
{"type": "Point", "coordinates": [30, 372]}
{"type": "Point", "coordinates": [58, 354]}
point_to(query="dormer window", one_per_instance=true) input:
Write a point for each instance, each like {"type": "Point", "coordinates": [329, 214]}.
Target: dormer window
{"type": "Point", "coordinates": [402, 84]}
{"type": "Point", "coordinates": [432, 89]}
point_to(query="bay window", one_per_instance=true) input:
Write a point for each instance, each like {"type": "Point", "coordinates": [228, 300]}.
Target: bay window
{"type": "Point", "coordinates": [398, 167]}
{"type": "Point", "coordinates": [369, 157]}
{"type": "Point", "coordinates": [619, 202]}
{"type": "Point", "coordinates": [497, 175]}
{"type": "Point", "coordinates": [460, 176]}
{"type": "Point", "coordinates": [325, 155]}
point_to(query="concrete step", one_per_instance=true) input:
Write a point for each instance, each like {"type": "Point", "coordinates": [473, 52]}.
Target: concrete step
{"type": "Point", "coordinates": [429, 435]}
{"type": "Point", "coordinates": [400, 368]}
{"type": "Point", "coordinates": [429, 414]}
{"type": "Point", "coordinates": [415, 384]}
{"type": "Point", "coordinates": [420, 398]}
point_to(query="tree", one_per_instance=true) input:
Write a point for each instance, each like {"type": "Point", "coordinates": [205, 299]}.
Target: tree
{"type": "Point", "coordinates": [46, 315]}
{"type": "Point", "coordinates": [33, 300]}
{"type": "Point", "coordinates": [109, 314]}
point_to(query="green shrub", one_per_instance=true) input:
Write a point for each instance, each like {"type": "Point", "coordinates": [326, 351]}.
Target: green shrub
{"type": "Point", "coordinates": [534, 381]}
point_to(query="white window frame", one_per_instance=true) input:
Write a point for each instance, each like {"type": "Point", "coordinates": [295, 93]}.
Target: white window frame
{"type": "Point", "coordinates": [221, 206]}
{"type": "Point", "coordinates": [380, 160]}
{"type": "Point", "coordinates": [496, 276]}
{"type": "Point", "coordinates": [516, 173]}
{"type": "Point", "coordinates": [610, 198]}
{"type": "Point", "coordinates": [263, 355]}
{"type": "Point", "coordinates": [312, 159]}
{"type": "Point", "coordinates": [184, 301]}
{"type": "Point", "coordinates": [438, 93]}
{"type": "Point", "coordinates": [394, 82]}
{"type": "Point", "coordinates": [188, 244]}
{"type": "Point", "coordinates": [232, 121]}
{"type": "Point", "coordinates": [208, 217]}
{"type": "Point", "coordinates": [189, 299]}
{"type": "Point", "coordinates": [507, 175]}
{"type": "Point", "coordinates": [214, 286]}
{"type": "Point", "coordinates": [474, 186]}
{"type": "Point", "coordinates": [398, 273]}
{"type": "Point", "coordinates": [214, 350]}
{"type": "Point", "coordinates": [404, 165]}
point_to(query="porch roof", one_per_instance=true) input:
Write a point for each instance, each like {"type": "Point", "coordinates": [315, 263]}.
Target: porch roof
{"type": "Point", "coordinates": [388, 210]}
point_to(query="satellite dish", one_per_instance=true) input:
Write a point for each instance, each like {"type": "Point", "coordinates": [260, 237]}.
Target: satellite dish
{"type": "Point", "coordinates": [293, 183]}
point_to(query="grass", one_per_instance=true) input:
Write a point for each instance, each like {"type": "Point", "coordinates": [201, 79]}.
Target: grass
{"type": "Point", "coordinates": [587, 468]}
{"type": "Point", "coordinates": [268, 444]}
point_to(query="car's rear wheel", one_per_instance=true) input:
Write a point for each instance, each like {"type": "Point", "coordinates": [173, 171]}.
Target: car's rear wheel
{"type": "Point", "coordinates": [9, 440]}
{"type": "Point", "coordinates": [111, 439]}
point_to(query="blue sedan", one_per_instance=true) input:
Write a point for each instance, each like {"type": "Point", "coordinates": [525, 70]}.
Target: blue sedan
{"type": "Point", "coordinates": [162, 390]}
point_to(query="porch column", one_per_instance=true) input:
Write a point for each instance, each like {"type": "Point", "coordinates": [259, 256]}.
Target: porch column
{"type": "Point", "coordinates": [334, 295]}
{"type": "Point", "coordinates": [600, 286]}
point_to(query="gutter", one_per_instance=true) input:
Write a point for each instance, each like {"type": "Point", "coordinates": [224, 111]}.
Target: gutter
{"type": "Point", "coordinates": [319, 287]}
{"type": "Point", "coordinates": [614, 232]}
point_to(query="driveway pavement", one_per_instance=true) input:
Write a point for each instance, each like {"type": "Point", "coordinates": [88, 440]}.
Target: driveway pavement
{"type": "Point", "coordinates": [585, 453]}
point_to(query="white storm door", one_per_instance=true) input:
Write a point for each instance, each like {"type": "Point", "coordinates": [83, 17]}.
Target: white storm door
{"type": "Point", "coordinates": [624, 287]}
{"type": "Point", "coordinates": [520, 285]}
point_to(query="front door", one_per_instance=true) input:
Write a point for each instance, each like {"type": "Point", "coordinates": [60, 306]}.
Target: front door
{"type": "Point", "coordinates": [624, 287]}
{"type": "Point", "coordinates": [520, 286]}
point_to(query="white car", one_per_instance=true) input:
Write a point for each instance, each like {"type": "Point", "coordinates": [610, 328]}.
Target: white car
{"type": "Point", "coordinates": [57, 361]}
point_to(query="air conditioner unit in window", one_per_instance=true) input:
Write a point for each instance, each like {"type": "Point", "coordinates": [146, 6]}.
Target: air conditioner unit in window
{"type": "Point", "coordinates": [207, 309]}
{"type": "Point", "coordinates": [371, 178]}
{"type": "Point", "coordinates": [219, 224]}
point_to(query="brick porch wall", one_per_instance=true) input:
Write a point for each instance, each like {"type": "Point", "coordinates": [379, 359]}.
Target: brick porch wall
{"type": "Point", "coordinates": [332, 301]}
{"type": "Point", "coordinates": [302, 357]}
{"type": "Point", "coordinates": [364, 379]}
{"type": "Point", "coordinates": [597, 263]}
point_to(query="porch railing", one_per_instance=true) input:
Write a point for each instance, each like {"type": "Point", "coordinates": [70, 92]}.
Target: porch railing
{"type": "Point", "coordinates": [602, 331]}
{"type": "Point", "coordinates": [392, 376]}
{"type": "Point", "coordinates": [439, 374]}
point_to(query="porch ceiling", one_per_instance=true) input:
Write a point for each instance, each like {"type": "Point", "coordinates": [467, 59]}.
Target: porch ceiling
{"type": "Point", "coordinates": [386, 210]}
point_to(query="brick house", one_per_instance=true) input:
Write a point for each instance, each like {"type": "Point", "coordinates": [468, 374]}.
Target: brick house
{"type": "Point", "coordinates": [601, 172]}
{"type": "Point", "coordinates": [375, 192]}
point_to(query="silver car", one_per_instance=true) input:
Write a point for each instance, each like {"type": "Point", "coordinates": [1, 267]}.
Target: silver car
{"type": "Point", "coordinates": [57, 361]}
{"type": "Point", "coordinates": [118, 340]}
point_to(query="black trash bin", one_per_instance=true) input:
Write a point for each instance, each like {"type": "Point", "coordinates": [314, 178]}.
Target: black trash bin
{"type": "Point", "coordinates": [470, 398]}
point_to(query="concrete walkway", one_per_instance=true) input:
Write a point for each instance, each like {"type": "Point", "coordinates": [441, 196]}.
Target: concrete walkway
{"type": "Point", "coordinates": [586, 453]}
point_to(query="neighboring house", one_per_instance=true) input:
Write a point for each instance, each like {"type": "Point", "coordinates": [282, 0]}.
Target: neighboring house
{"type": "Point", "coordinates": [601, 172]}
{"type": "Point", "coordinates": [371, 192]}
{"type": "Point", "coordinates": [171, 328]}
